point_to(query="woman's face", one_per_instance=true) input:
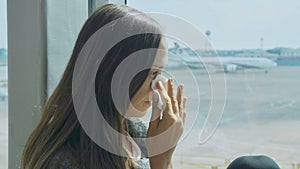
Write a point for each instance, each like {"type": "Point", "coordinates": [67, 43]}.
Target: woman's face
{"type": "Point", "coordinates": [142, 100]}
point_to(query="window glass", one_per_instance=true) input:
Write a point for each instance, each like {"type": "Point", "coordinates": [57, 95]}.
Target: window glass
{"type": "Point", "coordinates": [3, 87]}
{"type": "Point", "coordinates": [62, 33]}
{"type": "Point", "coordinates": [257, 43]}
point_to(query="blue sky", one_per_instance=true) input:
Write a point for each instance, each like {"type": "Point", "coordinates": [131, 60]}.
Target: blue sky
{"type": "Point", "coordinates": [234, 24]}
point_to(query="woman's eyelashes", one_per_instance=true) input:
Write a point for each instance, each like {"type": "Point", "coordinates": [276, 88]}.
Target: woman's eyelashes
{"type": "Point", "coordinates": [154, 74]}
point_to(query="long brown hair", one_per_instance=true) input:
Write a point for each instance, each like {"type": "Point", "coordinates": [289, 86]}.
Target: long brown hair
{"type": "Point", "coordinates": [59, 128]}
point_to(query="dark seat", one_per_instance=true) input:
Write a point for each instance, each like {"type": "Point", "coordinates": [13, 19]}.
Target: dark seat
{"type": "Point", "coordinates": [253, 162]}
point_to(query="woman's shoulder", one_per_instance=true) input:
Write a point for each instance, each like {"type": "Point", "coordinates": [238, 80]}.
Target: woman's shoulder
{"type": "Point", "coordinates": [137, 128]}
{"type": "Point", "coordinates": [63, 159]}
{"type": "Point", "coordinates": [143, 163]}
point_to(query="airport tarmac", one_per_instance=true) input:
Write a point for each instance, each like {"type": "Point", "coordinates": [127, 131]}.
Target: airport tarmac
{"type": "Point", "coordinates": [261, 116]}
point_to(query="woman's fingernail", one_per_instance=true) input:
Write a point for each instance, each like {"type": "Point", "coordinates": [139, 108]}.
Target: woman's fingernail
{"type": "Point", "coordinates": [171, 82]}
{"type": "Point", "coordinates": [181, 87]}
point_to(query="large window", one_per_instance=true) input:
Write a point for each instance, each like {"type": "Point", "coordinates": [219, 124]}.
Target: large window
{"type": "Point", "coordinates": [61, 35]}
{"type": "Point", "coordinates": [63, 31]}
{"type": "Point", "coordinates": [257, 43]}
{"type": "Point", "coordinates": [3, 87]}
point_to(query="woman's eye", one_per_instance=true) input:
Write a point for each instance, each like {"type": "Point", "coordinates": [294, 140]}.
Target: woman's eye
{"type": "Point", "coordinates": [154, 74]}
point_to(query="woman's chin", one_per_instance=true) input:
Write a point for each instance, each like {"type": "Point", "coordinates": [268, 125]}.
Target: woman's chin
{"type": "Point", "coordinates": [137, 115]}
{"type": "Point", "coordinates": [140, 112]}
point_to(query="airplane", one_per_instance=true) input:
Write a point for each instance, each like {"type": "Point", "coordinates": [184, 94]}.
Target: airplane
{"type": "Point", "coordinates": [227, 64]}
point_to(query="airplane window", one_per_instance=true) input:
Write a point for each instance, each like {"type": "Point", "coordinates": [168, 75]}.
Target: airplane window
{"type": "Point", "coordinates": [257, 45]}
{"type": "Point", "coordinates": [3, 87]}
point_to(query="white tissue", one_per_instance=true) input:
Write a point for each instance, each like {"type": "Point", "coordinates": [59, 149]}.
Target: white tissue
{"type": "Point", "coordinates": [164, 80]}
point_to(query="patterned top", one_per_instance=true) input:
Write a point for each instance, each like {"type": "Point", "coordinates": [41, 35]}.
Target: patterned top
{"type": "Point", "coordinates": [136, 129]}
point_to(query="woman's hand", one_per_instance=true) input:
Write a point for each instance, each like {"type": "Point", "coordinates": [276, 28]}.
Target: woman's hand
{"type": "Point", "coordinates": [164, 133]}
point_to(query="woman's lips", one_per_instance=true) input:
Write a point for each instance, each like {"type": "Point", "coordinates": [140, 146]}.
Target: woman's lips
{"type": "Point", "coordinates": [148, 102]}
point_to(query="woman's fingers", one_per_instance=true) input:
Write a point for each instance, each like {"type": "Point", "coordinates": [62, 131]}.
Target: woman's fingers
{"type": "Point", "coordinates": [184, 99]}
{"type": "Point", "coordinates": [175, 103]}
{"type": "Point", "coordinates": [172, 96]}
{"type": "Point", "coordinates": [179, 98]}
{"type": "Point", "coordinates": [179, 94]}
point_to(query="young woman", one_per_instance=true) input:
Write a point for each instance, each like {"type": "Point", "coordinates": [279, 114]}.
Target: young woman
{"type": "Point", "coordinates": [60, 141]}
